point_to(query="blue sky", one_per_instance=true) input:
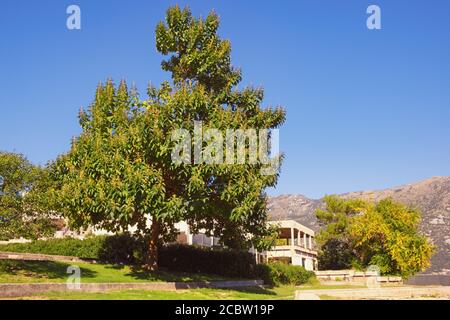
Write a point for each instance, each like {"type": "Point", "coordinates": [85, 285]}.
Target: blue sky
{"type": "Point", "coordinates": [366, 109]}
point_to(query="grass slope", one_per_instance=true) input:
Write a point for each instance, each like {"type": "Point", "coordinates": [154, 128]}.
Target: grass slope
{"type": "Point", "coordinates": [254, 293]}
{"type": "Point", "coordinates": [15, 271]}
{"type": "Point", "coordinates": [18, 271]}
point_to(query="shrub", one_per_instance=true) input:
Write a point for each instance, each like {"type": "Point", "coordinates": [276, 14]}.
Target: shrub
{"type": "Point", "coordinates": [283, 274]}
{"type": "Point", "coordinates": [122, 248]}
{"type": "Point", "coordinates": [87, 249]}
{"type": "Point", "coordinates": [223, 262]}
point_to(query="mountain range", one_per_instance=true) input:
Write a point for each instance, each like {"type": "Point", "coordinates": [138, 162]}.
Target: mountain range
{"type": "Point", "coordinates": [431, 196]}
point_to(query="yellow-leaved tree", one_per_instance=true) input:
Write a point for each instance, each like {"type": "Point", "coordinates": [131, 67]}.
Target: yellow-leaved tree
{"type": "Point", "coordinates": [358, 233]}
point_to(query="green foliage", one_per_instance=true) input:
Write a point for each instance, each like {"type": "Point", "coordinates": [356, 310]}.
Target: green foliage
{"type": "Point", "coordinates": [359, 233]}
{"type": "Point", "coordinates": [198, 52]}
{"type": "Point", "coordinates": [120, 248]}
{"type": "Point", "coordinates": [123, 248]}
{"type": "Point", "coordinates": [335, 254]}
{"type": "Point", "coordinates": [119, 171]}
{"type": "Point", "coordinates": [24, 199]}
{"type": "Point", "coordinates": [90, 248]}
{"type": "Point", "coordinates": [223, 262]}
{"type": "Point", "coordinates": [283, 274]}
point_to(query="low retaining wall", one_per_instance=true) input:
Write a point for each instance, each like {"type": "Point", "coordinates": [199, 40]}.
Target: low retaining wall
{"type": "Point", "coordinates": [397, 293]}
{"type": "Point", "coordinates": [37, 257]}
{"type": "Point", "coordinates": [354, 277]}
{"type": "Point", "coordinates": [21, 290]}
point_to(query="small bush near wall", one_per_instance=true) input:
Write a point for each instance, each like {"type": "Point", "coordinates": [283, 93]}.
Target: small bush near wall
{"type": "Point", "coordinates": [284, 274]}
{"type": "Point", "coordinates": [123, 248]}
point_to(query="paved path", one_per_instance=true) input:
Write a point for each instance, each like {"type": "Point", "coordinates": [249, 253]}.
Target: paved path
{"type": "Point", "coordinates": [397, 293]}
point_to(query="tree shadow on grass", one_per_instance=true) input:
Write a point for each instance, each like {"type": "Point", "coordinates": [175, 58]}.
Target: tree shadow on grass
{"type": "Point", "coordinates": [186, 280]}
{"type": "Point", "coordinates": [255, 290]}
{"type": "Point", "coordinates": [139, 273]}
{"type": "Point", "coordinates": [40, 269]}
{"type": "Point", "coordinates": [115, 266]}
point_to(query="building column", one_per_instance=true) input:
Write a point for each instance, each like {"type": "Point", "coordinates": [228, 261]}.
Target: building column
{"type": "Point", "coordinates": [304, 240]}
{"type": "Point", "coordinates": [189, 236]}
{"type": "Point", "coordinates": [292, 237]}
{"type": "Point", "coordinates": [298, 238]}
{"type": "Point", "coordinates": [310, 242]}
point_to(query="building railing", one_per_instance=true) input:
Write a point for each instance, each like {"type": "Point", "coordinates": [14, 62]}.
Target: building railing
{"type": "Point", "coordinates": [297, 242]}
{"type": "Point", "coordinates": [287, 247]}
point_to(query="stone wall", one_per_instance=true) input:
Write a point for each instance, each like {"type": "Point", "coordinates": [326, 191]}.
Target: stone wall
{"type": "Point", "coordinates": [37, 257]}
{"type": "Point", "coordinates": [352, 276]}
{"type": "Point", "coordinates": [23, 290]}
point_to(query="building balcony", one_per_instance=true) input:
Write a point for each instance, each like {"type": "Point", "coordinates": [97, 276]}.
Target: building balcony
{"type": "Point", "coordinates": [295, 247]}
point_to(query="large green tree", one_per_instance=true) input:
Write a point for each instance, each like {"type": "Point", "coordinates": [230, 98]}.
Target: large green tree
{"type": "Point", "coordinates": [360, 233]}
{"type": "Point", "coordinates": [120, 172]}
{"type": "Point", "coordinates": [25, 200]}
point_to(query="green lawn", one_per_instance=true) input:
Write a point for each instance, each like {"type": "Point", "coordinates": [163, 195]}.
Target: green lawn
{"type": "Point", "coordinates": [18, 271]}
{"type": "Point", "coordinates": [15, 271]}
{"type": "Point", "coordinates": [254, 293]}
{"type": "Point", "coordinates": [319, 286]}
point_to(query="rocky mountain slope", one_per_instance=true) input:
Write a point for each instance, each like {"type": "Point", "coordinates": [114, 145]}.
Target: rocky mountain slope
{"type": "Point", "coordinates": [431, 196]}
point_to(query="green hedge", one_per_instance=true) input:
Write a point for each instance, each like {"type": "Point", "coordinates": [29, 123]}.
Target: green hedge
{"type": "Point", "coordinates": [121, 248]}
{"type": "Point", "coordinates": [194, 259]}
{"type": "Point", "coordinates": [131, 250]}
{"type": "Point", "coordinates": [88, 248]}
{"type": "Point", "coordinates": [283, 274]}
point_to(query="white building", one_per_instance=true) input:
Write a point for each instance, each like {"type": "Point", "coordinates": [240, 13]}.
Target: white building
{"type": "Point", "coordinates": [295, 244]}
{"type": "Point", "coordinates": [200, 239]}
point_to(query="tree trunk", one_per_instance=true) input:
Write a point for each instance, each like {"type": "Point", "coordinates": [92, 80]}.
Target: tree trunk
{"type": "Point", "coordinates": [152, 261]}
